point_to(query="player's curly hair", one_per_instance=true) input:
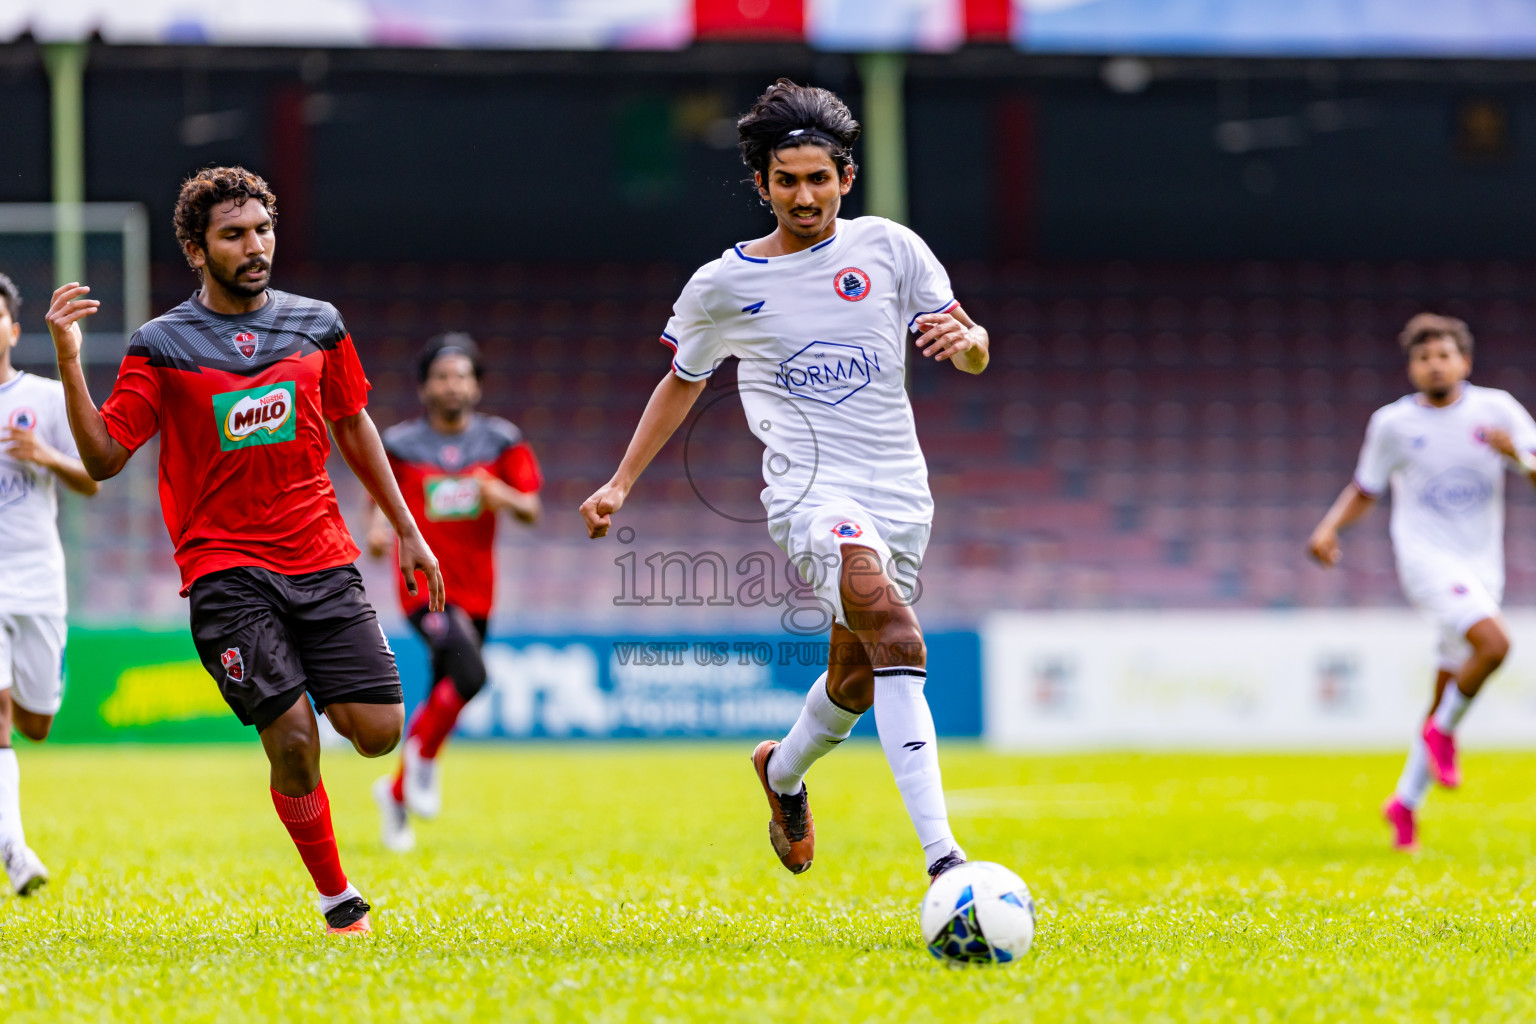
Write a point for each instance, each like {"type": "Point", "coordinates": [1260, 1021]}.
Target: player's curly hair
{"type": "Point", "coordinates": [11, 296]}
{"type": "Point", "coordinates": [1429, 326]}
{"type": "Point", "coordinates": [816, 116]}
{"type": "Point", "coordinates": [210, 187]}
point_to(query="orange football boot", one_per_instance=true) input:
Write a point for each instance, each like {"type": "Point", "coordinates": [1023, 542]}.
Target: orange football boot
{"type": "Point", "coordinates": [791, 829]}
{"type": "Point", "coordinates": [349, 918]}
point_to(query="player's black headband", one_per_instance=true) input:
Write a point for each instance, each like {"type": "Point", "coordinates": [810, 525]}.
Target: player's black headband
{"type": "Point", "coordinates": [454, 343]}
{"type": "Point", "coordinates": [802, 134]}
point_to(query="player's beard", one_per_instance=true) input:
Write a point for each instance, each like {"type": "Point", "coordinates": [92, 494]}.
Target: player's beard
{"type": "Point", "coordinates": [233, 284]}
{"type": "Point", "coordinates": [452, 410]}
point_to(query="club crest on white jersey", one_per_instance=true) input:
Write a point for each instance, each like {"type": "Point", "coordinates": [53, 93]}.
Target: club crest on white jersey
{"type": "Point", "coordinates": [851, 283]}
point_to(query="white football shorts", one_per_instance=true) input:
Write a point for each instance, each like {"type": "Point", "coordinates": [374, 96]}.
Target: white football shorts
{"type": "Point", "coordinates": [1452, 597]}
{"type": "Point", "coordinates": [814, 538]}
{"type": "Point", "coordinates": [32, 660]}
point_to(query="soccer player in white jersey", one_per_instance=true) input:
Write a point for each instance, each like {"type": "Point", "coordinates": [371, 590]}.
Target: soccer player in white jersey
{"type": "Point", "coordinates": [820, 313]}
{"type": "Point", "coordinates": [1444, 451]}
{"type": "Point", "coordinates": [35, 448]}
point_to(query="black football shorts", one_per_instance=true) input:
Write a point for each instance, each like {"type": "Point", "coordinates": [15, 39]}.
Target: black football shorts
{"type": "Point", "coordinates": [267, 638]}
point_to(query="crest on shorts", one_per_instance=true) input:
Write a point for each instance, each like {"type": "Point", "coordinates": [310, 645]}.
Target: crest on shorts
{"type": "Point", "coordinates": [848, 530]}
{"type": "Point", "coordinates": [24, 418]}
{"type": "Point", "coordinates": [234, 665]}
{"type": "Point", "coordinates": [245, 341]}
{"type": "Point", "coordinates": [1459, 589]}
{"type": "Point", "coordinates": [851, 283]}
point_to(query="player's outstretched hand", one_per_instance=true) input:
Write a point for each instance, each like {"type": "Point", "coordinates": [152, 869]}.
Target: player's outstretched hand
{"type": "Point", "coordinates": [597, 511]}
{"type": "Point", "coordinates": [943, 336]}
{"type": "Point", "coordinates": [416, 557]}
{"type": "Point", "coordinates": [68, 308]}
{"type": "Point", "coordinates": [1324, 548]}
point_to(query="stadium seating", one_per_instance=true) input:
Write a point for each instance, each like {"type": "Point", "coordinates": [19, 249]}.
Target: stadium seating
{"type": "Point", "coordinates": [1148, 435]}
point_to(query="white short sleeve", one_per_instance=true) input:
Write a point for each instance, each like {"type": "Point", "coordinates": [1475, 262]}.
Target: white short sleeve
{"type": "Point", "coordinates": [1378, 457]}
{"type": "Point", "coordinates": [58, 432]}
{"type": "Point", "coordinates": [925, 286]}
{"type": "Point", "coordinates": [691, 334]}
{"type": "Point", "coordinates": [1522, 429]}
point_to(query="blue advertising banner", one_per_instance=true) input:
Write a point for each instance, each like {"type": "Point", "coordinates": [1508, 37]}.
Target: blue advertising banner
{"type": "Point", "coordinates": [584, 686]}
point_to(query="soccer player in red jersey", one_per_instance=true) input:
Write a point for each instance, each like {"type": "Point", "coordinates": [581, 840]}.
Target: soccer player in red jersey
{"type": "Point", "coordinates": [457, 469]}
{"type": "Point", "coordinates": [241, 382]}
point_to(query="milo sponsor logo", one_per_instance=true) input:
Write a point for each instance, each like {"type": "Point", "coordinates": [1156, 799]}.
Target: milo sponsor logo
{"type": "Point", "coordinates": [452, 497]}
{"type": "Point", "coordinates": [256, 416]}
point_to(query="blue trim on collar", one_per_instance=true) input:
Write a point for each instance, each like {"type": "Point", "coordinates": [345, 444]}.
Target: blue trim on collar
{"type": "Point", "coordinates": [751, 259]}
{"type": "Point", "coordinates": [823, 245]}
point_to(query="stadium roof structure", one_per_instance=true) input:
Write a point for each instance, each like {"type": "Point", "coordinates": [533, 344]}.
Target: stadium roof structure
{"type": "Point", "coordinates": [1334, 28]}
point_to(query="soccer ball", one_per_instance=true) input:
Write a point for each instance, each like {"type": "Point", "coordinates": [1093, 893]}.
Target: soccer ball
{"type": "Point", "coordinates": [978, 913]}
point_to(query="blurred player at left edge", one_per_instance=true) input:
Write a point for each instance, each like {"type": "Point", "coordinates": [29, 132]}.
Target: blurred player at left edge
{"type": "Point", "coordinates": [35, 448]}
{"type": "Point", "coordinates": [242, 382]}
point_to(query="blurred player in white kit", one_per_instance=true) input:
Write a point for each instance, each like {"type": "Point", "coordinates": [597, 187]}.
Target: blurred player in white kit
{"type": "Point", "coordinates": [1444, 451]}
{"type": "Point", "coordinates": [35, 448]}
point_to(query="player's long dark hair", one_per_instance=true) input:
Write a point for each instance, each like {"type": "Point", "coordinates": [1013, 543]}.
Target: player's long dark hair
{"type": "Point", "coordinates": [785, 107]}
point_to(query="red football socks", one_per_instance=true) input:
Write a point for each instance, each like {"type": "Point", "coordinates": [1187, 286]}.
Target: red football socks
{"type": "Point", "coordinates": [431, 724]}
{"type": "Point", "coordinates": [435, 719]}
{"type": "Point", "coordinates": [308, 819]}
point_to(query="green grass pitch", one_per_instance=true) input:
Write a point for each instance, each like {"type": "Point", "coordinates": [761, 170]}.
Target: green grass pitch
{"type": "Point", "coordinates": [635, 883]}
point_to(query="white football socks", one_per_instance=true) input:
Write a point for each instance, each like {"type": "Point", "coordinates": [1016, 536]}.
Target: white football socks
{"type": "Point", "coordinates": [330, 903]}
{"type": "Point", "coordinates": [821, 726]}
{"type": "Point", "coordinates": [1452, 707]}
{"type": "Point", "coordinates": [1413, 785]}
{"type": "Point", "coordinates": [910, 743]}
{"type": "Point", "coordinates": [10, 799]}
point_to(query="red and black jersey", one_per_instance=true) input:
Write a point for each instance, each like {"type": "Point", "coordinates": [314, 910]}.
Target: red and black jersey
{"type": "Point", "coordinates": [242, 403]}
{"type": "Point", "coordinates": [438, 476]}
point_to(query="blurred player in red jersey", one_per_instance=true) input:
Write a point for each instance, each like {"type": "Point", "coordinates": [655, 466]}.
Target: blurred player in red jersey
{"type": "Point", "coordinates": [241, 382]}
{"type": "Point", "coordinates": [457, 469]}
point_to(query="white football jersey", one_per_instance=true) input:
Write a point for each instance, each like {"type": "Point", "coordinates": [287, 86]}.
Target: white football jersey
{"type": "Point", "coordinates": [1447, 484]}
{"type": "Point", "coordinates": [822, 335]}
{"type": "Point", "coordinates": [31, 557]}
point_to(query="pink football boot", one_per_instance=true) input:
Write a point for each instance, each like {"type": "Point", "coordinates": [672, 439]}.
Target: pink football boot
{"type": "Point", "coordinates": [1442, 755]}
{"type": "Point", "coordinates": [1405, 831]}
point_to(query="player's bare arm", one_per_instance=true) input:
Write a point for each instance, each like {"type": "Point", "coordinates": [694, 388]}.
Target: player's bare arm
{"type": "Point", "coordinates": [1500, 441]}
{"type": "Point", "coordinates": [1349, 508]}
{"type": "Point", "coordinates": [664, 413]}
{"type": "Point", "coordinates": [500, 496]}
{"type": "Point", "coordinates": [359, 442]}
{"type": "Point", "coordinates": [956, 337]}
{"type": "Point", "coordinates": [100, 454]}
{"type": "Point", "coordinates": [26, 446]}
